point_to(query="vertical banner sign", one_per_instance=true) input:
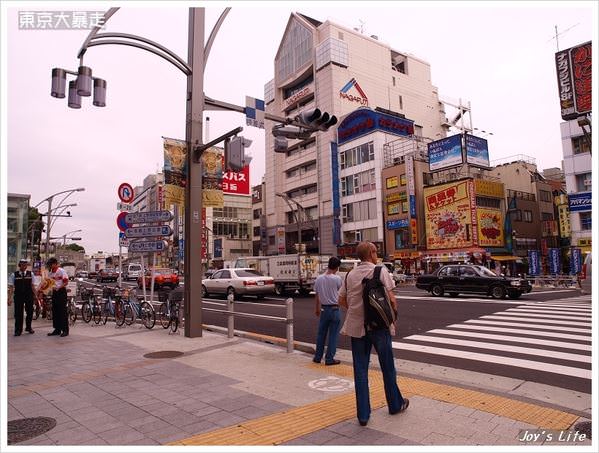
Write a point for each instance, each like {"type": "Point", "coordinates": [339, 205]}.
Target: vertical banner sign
{"type": "Point", "coordinates": [336, 195]}
{"type": "Point", "coordinates": [574, 80]}
{"type": "Point", "coordinates": [555, 261]}
{"type": "Point", "coordinates": [414, 231]}
{"type": "Point", "coordinates": [280, 239]}
{"type": "Point", "coordinates": [212, 178]}
{"type": "Point", "coordinates": [576, 261]}
{"type": "Point", "coordinates": [534, 262]}
{"type": "Point", "coordinates": [472, 195]}
{"type": "Point", "coordinates": [218, 248]}
{"type": "Point", "coordinates": [204, 236]}
{"type": "Point", "coordinates": [409, 160]}
{"type": "Point", "coordinates": [175, 172]}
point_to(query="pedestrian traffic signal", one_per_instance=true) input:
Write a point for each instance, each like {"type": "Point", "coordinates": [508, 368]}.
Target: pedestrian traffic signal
{"type": "Point", "coordinates": [235, 157]}
{"type": "Point", "coordinates": [316, 119]}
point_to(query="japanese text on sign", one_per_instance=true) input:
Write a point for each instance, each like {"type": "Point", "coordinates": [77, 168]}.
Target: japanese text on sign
{"type": "Point", "coordinates": [60, 20]}
{"type": "Point", "coordinates": [447, 196]}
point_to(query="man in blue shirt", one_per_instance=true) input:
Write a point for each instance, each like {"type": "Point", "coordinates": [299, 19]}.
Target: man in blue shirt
{"type": "Point", "coordinates": [327, 308]}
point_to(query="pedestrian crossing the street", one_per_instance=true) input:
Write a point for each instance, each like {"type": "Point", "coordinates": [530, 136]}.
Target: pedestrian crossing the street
{"type": "Point", "coordinates": [534, 337]}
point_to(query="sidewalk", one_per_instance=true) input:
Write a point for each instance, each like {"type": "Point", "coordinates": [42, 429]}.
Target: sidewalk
{"type": "Point", "coordinates": [101, 389]}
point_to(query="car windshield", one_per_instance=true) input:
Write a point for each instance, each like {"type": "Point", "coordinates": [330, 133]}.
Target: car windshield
{"type": "Point", "coordinates": [485, 272]}
{"type": "Point", "coordinates": [248, 273]}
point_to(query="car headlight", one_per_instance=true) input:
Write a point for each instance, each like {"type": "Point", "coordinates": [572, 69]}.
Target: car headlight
{"type": "Point", "coordinates": [515, 283]}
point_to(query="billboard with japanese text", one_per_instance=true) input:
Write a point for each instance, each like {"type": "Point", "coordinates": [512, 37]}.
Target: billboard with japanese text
{"type": "Point", "coordinates": [477, 151]}
{"type": "Point", "coordinates": [490, 227]}
{"type": "Point", "coordinates": [445, 153]}
{"type": "Point", "coordinates": [574, 80]}
{"type": "Point", "coordinates": [448, 216]}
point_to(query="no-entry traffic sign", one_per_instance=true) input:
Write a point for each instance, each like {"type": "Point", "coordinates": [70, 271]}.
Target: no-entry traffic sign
{"type": "Point", "coordinates": [126, 193]}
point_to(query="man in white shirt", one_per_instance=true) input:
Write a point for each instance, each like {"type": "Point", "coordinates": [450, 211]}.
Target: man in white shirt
{"type": "Point", "coordinates": [59, 298]}
{"type": "Point", "coordinates": [362, 341]}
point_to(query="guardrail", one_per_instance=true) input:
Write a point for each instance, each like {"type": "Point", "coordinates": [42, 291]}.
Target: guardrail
{"type": "Point", "coordinates": [231, 313]}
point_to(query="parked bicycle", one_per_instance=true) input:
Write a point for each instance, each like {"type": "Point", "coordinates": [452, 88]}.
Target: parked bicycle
{"type": "Point", "coordinates": [108, 306]}
{"type": "Point", "coordinates": [169, 310]}
{"type": "Point", "coordinates": [135, 309]}
{"type": "Point", "coordinates": [86, 295]}
{"type": "Point", "coordinates": [71, 311]}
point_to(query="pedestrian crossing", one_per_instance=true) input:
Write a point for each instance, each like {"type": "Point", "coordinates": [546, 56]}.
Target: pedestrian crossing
{"type": "Point", "coordinates": [538, 336]}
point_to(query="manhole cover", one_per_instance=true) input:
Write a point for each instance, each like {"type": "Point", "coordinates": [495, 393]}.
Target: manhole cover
{"type": "Point", "coordinates": [584, 428]}
{"type": "Point", "coordinates": [28, 428]}
{"type": "Point", "coordinates": [163, 354]}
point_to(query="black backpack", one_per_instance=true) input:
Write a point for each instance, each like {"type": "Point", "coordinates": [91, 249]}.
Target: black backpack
{"type": "Point", "coordinates": [378, 311]}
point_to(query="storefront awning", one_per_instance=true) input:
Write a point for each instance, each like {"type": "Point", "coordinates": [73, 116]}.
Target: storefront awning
{"type": "Point", "coordinates": [505, 258]}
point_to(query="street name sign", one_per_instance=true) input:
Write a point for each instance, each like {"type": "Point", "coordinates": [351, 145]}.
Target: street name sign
{"type": "Point", "coordinates": [147, 246]}
{"type": "Point", "coordinates": [148, 231]}
{"type": "Point", "coordinates": [149, 217]}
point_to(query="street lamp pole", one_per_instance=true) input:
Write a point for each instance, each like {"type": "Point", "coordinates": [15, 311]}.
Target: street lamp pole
{"type": "Point", "coordinates": [297, 219]}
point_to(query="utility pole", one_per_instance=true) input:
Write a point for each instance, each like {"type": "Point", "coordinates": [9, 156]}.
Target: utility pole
{"type": "Point", "coordinates": [193, 211]}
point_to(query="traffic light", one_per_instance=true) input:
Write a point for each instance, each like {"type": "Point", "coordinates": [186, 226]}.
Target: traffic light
{"type": "Point", "coordinates": [292, 132]}
{"type": "Point", "coordinates": [235, 157]}
{"type": "Point", "coordinates": [316, 119]}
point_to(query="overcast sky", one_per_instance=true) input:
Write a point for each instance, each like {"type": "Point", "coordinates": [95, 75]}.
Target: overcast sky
{"type": "Point", "coordinates": [498, 56]}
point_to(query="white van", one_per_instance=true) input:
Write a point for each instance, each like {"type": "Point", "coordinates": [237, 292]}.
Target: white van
{"type": "Point", "coordinates": [132, 271]}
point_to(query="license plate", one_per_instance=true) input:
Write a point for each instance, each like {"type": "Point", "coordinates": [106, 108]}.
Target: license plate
{"type": "Point", "coordinates": [260, 283]}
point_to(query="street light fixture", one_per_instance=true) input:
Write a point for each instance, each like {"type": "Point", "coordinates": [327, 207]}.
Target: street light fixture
{"type": "Point", "coordinates": [64, 237]}
{"type": "Point", "coordinates": [49, 212]}
{"type": "Point", "coordinates": [298, 218]}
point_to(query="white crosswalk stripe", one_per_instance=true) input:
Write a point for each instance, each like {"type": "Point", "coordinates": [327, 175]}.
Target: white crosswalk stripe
{"type": "Point", "coordinates": [552, 337]}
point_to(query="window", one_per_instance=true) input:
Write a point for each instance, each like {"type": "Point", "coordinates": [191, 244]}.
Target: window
{"type": "Point", "coordinates": [545, 196]}
{"type": "Point", "coordinates": [586, 221]}
{"type": "Point", "coordinates": [225, 274]}
{"type": "Point", "coordinates": [400, 102]}
{"type": "Point", "coordinates": [516, 215]}
{"type": "Point", "coordinates": [466, 271]}
{"type": "Point", "coordinates": [257, 213]}
{"type": "Point", "coordinates": [580, 145]}
{"type": "Point", "coordinates": [296, 50]}
{"type": "Point", "coordinates": [402, 179]}
{"type": "Point", "coordinates": [527, 216]}
{"type": "Point", "coordinates": [271, 240]}
{"type": "Point", "coordinates": [584, 182]}
{"type": "Point", "coordinates": [356, 156]}
{"type": "Point", "coordinates": [402, 238]}
{"type": "Point", "coordinates": [405, 206]}
{"type": "Point", "coordinates": [393, 80]}
{"type": "Point", "coordinates": [545, 216]}
{"type": "Point", "coordinates": [257, 231]}
{"type": "Point", "coordinates": [485, 202]}
{"type": "Point", "coordinates": [358, 183]}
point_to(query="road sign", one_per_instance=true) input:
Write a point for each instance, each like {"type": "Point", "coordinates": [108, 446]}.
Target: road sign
{"type": "Point", "coordinates": [254, 112]}
{"type": "Point", "coordinates": [122, 222]}
{"type": "Point", "coordinates": [124, 207]}
{"type": "Point", "coordinates": [149, 217]}
{"type": "Point", "coordinates": [123, 241]}
{"type": "Point", "coordinates": [126, 193]}
{"type": "Point", "coordinates": [147, 246]}
{"type": "Point", "coordinates": [148, 231]}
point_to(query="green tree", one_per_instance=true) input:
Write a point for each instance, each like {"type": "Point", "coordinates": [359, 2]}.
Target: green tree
{"type": "Point", "coordinates": [75, 248]}
{"type": "Point", "coordinates": [35, 226]}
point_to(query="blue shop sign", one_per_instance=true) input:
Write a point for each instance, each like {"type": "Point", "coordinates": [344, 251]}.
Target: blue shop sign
{"type": "Point", "coordinates": [396, 224]}
{"type": "Point", "coordinates": [580, 202]}
{"type": "Point", "coordinates": [364, 121]}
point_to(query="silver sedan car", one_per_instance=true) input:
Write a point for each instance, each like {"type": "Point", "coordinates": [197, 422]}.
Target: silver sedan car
{"type": "Point", "coordinates": [238, 282]}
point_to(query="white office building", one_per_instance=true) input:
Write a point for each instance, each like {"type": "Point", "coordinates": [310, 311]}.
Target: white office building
{"type": "Point", "coordinates": [338, 70]}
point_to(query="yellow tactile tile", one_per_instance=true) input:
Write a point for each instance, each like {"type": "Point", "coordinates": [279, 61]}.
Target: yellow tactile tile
{"type": "Point", "coordinates": [290, 424]}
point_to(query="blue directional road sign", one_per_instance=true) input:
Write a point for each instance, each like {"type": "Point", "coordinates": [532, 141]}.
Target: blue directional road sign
{"type": "Point", "coordinates": [148, 231]}
{"type": "Point", "coordinates": [147, 246]}
{"type": "Point", "coordinates": [149, 217]}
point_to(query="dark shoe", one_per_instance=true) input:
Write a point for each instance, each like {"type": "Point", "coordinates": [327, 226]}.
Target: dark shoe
{"type": "Point", "coordinates": [315, 361]}
{"type": "Point", "coordinates": [334, 362]}
{"type": "Point", "coordinates": [55, 332]}
{"type": "Point", "coordinates": [363, 422]}
{"type": "Point", "coordinates": [17, 334]}
{"type": "Point", "coordinates": [404, 406]}
{"type": "Point", "coordinates": [30, 330]}
{"type": "Point", "coordinates": [64, 334]}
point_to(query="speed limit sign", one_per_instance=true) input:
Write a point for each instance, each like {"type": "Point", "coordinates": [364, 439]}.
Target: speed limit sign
{"type": "Point", "coordinates": [126, 193]}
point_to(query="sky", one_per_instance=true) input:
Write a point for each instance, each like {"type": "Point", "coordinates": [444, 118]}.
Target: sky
{"type": "Point", "coordinates": [499, 56]}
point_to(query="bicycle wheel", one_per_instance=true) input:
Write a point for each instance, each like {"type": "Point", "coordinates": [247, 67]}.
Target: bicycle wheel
{"type": "Point", "coordinates": [119, 314]}
{"type": "Point", "coordinates": [72, 315]}
{"type": "Point", "coordinates": [96, 313]}
{"type": "Point", "coordinates": [147, 315]}
{"type": "Point", "coordinates": [36, 310]}
{"type": "Point", "coordinates": [165, 318]}
{"type": "Point", "coordinates": [174, 317]}
{"type": "Point", "coordinates": [129, 314]}
{"type": "Point", "coordinates": [86, 312]}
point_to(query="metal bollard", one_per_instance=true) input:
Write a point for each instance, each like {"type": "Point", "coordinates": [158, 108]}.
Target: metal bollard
{"type": "Point", "coordinates": [230, 317]}
{"type": "Point", "coordinates": [289, 325]}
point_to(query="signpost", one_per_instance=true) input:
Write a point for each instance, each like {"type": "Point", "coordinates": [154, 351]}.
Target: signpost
{"type": "Point", "coordinates": [126, 194]}
{"type": "Point", "coordinates": [147, 246]}
{"type": "Point", "coordinates": [148, 217]}
{"type": "Point", "coordinates": [149, 231]}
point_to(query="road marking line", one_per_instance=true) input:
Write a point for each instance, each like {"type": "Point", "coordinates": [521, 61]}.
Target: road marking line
{"type": "Point", "coordinates": [533, 314]}
{"type": "Point", "coordinates": [480, 357]}
{"type": "Point", "coordinates": [490, 336]}
{"type": "Point", "coordinates": [514, 318]}
{"type": "Point", "coordinates": [524, 331]}
{"type": "Point", "coordinates": [572, 311]}
{"type": "Point", "coordinates": [522, 324]}
{"type": "Point", "coordinates": [501, 347]}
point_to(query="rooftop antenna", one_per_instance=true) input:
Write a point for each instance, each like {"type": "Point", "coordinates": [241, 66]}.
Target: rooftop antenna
{"type": "Point", "coordinates": [361, 25]}
{"type": "Point", "coordinates": [556, 37]}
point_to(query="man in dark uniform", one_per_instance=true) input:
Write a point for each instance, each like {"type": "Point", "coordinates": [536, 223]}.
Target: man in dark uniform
{"type": "Point", "coordinates": [22, 291]}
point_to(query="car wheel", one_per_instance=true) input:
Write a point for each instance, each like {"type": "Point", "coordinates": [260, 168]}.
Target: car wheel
{"type": "Point", "coordinates": [204, 291]}
{"type": "Point", "coordinates": [280, 289]}
{"type": "Point", "coordinates": [497, 292]}
{"type": "Point", "coordinates": [437, 290]}
{"type": "Point", "coordinates": [454, 294]}
{"type": "Point", "coordinates": [514, 295]}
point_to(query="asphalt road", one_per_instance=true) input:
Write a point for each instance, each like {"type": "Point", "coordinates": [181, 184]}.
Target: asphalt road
{"type": "Point", "coordinates": [543, 337]}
